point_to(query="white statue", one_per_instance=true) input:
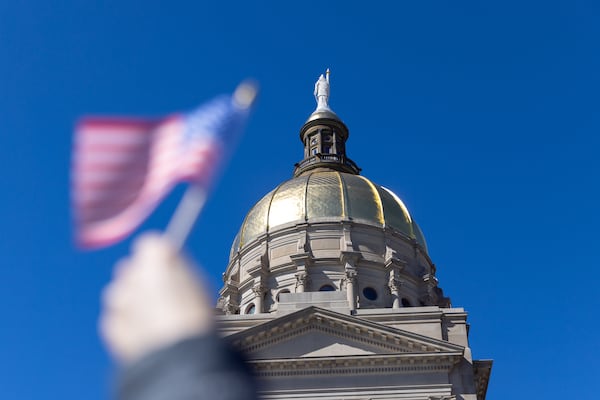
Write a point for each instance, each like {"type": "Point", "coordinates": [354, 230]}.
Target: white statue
{"type": "Point", "coordinates": [322, 92]}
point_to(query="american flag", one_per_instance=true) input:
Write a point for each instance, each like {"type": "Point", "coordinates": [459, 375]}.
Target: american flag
{"type": "Point", "coordinates": [123, 167]}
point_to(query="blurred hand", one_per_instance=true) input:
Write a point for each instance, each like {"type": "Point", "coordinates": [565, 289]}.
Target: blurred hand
{"type": "Point", "coordinates": [154, 300]}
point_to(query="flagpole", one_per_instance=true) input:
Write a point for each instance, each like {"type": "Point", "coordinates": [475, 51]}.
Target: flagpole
{"type": "Point", "coordinates": [185, 215]}
{"type": "Point", "coordinates": [194, 198]}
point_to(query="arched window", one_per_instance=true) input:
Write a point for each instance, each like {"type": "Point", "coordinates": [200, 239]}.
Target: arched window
{"type": "Point", "coordinates": [405, 302]}
{"type": "Point", "coordinates": [326, 288]}
{"type": "Point", "coordinates": [251, 309]}
{"type": "Point", "coordinates": [370, 293]}
{"type": "Point", "coordinates": [280, 292]}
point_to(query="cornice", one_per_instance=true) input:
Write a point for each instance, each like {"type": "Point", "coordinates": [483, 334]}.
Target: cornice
{"type": "Point", "coordinates": [357, 365]}
{"type": "Point", "coordinates": [482, 370]}
{"type": "Point", "coordinates": [334, 225]}
{"type": "Point", "coordinates": [352, 391]}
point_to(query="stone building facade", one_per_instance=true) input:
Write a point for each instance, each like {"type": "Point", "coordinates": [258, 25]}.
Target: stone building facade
{"type": "Point", "coordinates": [330, 290]}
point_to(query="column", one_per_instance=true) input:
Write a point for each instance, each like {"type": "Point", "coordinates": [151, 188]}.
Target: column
{"type": "Point", "coordinates": [301, 261]}
{"type": "Point", "coordinates": [351, 287]}
{"type": "Point", "coordinates": [350, 261]}
{"type": "Point", "coordinates": [229, 299]}
{"type": "Point", "coordinates": [394, 284]}
{"type": "Point", "coordinates": [394, 266]}
{"type": "Point", "coordinates": [259, 292]}
{"type": "Point", "coordinates": [301, 281]}
{"type": "Point", "coordinates": [430, 297]}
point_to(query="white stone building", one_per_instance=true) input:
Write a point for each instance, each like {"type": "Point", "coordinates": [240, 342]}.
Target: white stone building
{"type": "Point", "coordinates": [330, 290]}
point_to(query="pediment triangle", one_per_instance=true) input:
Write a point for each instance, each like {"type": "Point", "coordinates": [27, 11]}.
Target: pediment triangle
{"type": "Point", "coordinates": [315, 332]}
{"type": "Point", "coordinates": [337, 349]}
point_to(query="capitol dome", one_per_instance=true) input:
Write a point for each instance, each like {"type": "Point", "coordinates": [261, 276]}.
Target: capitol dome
{"type": "Point", "coordinates": [328, 229]}
{"type": "Point", "coordinates": [327, 196]}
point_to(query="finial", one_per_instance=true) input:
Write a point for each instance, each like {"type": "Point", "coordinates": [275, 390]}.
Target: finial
{"type": "Point", "coordinates": [322, 92]}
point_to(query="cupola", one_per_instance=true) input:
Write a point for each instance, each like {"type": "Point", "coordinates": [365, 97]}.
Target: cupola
{"type": "Point", "coordinates": [324, 136]}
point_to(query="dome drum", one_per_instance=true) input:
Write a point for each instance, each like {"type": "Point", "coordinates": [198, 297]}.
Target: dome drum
{"type": "Point", "coordinates": [314, 254]}
{"type": "Point", "coordinates": [325, 241]}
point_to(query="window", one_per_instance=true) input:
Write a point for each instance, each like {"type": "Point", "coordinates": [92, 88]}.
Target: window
{"type": "Point", "coordinates": [370, 293]}
{"type": "Point", "coordinates": [327, 288]}
{"type": "Point", "coordinates": [405, 302]}
{"type": "Point", "coordinates": [251, 309]}
{"type": "Point", "coordinates": [283, 291]}
{"type": "Point", "coordinates": [326, 149]}
{"type": "Point", "coordinates": [313, 140]}
{"type": "Point", "coordinates": [313, 151]}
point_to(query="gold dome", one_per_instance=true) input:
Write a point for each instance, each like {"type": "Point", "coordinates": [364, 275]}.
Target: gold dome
{"type": "Point", "coordinates": [327, 196]}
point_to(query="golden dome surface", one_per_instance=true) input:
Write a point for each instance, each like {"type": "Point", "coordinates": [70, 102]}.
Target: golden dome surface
{"type": "Point", "coordinates": [327, 196]}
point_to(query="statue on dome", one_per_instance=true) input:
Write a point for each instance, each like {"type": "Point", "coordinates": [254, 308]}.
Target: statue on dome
{"type": "Point", "coordinates": [322, 92]}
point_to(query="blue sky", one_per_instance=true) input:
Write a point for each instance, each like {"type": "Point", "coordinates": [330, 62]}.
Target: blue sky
{"type": "Point", "coordinates": [482, 116]}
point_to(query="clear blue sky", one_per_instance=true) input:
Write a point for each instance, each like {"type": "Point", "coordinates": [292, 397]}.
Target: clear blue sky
{"type": "Point", "coordinates": [483, 117]}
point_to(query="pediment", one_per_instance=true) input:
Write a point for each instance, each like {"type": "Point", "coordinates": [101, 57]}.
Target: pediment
{"type": "Point", "coordinates": [316, 332]}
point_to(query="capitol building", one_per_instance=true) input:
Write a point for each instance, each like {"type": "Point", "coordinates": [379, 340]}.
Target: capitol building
{"type": "Point", "coordinates": [331, 293]}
